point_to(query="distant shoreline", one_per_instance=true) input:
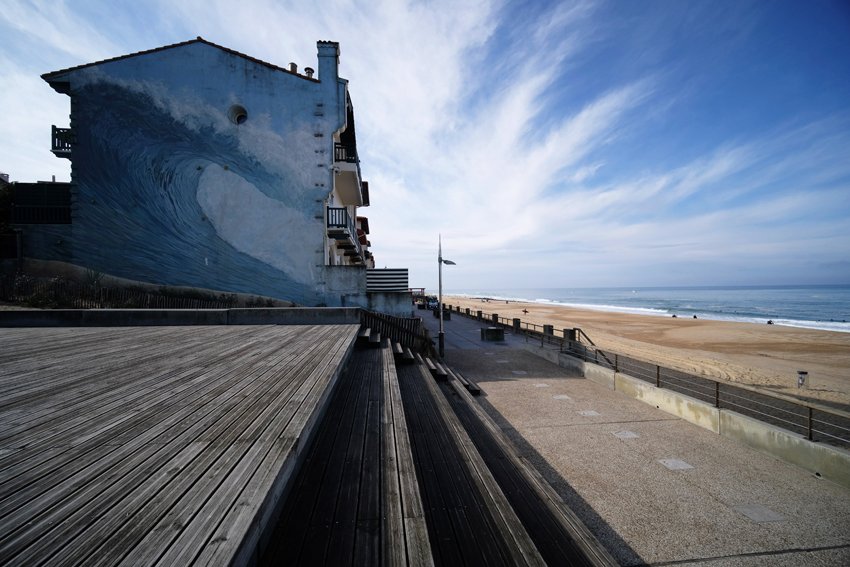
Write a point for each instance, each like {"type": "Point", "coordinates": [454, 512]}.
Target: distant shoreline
{"type": "Point", "coordinates": [837, 324]}
{"type": "Point", "coordinates": [750, 353]}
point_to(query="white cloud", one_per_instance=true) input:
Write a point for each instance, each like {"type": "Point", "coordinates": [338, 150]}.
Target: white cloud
{"type": "Point", "coordinates": [465, 128]}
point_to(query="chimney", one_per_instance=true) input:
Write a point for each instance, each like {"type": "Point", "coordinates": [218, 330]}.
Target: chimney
{"type": "Point", "coordinates": [293, 68]}
{"type": "Point", "coordinates": [328, 61]}
{"type": "Point", "coordinates": [309, 72]}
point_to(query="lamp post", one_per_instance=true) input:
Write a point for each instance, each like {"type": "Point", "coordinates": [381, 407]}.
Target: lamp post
{"type": "Point", "coordinates": [442, 335]}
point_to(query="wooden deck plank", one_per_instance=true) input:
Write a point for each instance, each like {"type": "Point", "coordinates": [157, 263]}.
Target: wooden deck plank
{"type": "Point", "coordinates": [236, 393]}
{"type": "Point", "coordinates": [230, 447]}
{"type": "Point", "coordinates": [445, 546]}
{"type": "Point", "coordinates": [191, 386]}
{"type": "Point", "coordinates": [98, 391]}
{"type": "Point", "coordinates": [84, 514]}
{"type": "Point", "coordinates": [251, 503]}
{"type": "Point", "coordinates": [405, 531]}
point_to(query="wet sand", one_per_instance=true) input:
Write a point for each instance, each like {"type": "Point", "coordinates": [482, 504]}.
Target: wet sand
{"type": "Point", "coordinates": [759, 355]}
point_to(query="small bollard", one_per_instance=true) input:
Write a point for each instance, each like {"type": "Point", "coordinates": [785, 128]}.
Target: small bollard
{"type": "Point", "coordinates": [802, 376]}
{"type": "Point", "coordinates": [495, 318]}
{"type": "Point", "coordinates": [517, 325]}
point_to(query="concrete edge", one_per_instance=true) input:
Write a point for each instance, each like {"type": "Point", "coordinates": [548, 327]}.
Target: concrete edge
{"type": "Point", "coordinates": [825, 461]}
{"type": "Point", "coordinates": [183, 317]}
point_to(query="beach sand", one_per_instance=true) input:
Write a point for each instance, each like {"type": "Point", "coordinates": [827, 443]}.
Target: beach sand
{"type": "Point", "coordinates": [767, 356]}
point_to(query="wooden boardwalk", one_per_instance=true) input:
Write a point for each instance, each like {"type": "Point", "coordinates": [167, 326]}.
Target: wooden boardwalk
{"type": "Point", "coordinates": [344, 508]}
{"type": "Point", "coordinates": [154, 445]}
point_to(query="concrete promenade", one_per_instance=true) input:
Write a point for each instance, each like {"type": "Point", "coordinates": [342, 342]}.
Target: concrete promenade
{"type": "Point", "coordinates": [652, 487]}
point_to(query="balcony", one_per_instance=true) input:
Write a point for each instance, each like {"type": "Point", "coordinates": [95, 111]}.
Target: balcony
{"type": "Point", "coordinates": [345, 153]}
{"type": "Point", "coordinates": [61, 139]}
{"type": "Point", "coordinates": [341, 228]}
{"type": "Point", "coordinates": [347, 179]}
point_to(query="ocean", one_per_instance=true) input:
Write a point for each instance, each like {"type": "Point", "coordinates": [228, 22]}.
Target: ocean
{"type": "Point", "coordinates": [812, 307]}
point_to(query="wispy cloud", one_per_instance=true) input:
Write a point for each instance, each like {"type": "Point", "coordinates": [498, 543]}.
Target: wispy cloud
{"type": "Point", "coordinates": [576, 142]}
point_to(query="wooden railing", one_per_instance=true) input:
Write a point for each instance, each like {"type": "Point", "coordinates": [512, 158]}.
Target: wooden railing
{"type": "Point", "coordinates": [408, 331]}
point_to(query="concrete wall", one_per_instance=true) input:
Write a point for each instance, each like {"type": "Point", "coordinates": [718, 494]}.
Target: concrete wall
{"type": "Point", "coordinates": [689, 409]}
{"type": "Point", "coordinates": [823, 460]}
{"type": "Point", "coordinates": [169, 189]}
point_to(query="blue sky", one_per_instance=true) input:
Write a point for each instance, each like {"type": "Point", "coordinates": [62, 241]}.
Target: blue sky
{"type": "Point", "coordinates": [552, 144]}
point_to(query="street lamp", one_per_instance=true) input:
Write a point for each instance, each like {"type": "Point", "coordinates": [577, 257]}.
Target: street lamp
{"type": "Point", "coordinates": [442, 335]}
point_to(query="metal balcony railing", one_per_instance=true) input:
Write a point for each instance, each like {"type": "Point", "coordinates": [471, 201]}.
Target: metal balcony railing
{"type": "Point", "coordinates": [60, 141]}
{"type": "Point", "coordinates": [345, 153]}
{"type": "Point", "coordinates": [341, 227]}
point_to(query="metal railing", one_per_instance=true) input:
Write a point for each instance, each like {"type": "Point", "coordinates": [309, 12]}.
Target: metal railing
{"type": "Point", "coordinates": [61, 140]}
{"type": "Point", "coordinates": [338, 218]}
{"type": "Point", "coordinates": [346, 153]}
{"type": "Point", "coordinates": [814, 421]}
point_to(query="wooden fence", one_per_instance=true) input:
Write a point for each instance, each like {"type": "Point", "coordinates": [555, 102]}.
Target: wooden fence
{"type": "Point", "coordinates": [408, 331]}
{"type": "Point", "coordinates": [56, 293]}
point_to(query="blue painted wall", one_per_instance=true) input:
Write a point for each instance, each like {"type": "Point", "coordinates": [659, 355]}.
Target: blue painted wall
{"type": "Point", "coordinates": [169, 190]}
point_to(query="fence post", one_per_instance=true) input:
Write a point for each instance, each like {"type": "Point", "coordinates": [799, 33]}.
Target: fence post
{"type": "Point", "coordinates": [478, 315]}
{"type": "Point", "coordinates": [495, 318]}
{"type": "Point", "coordinates": [810, 435]}
{"type": "Point", "coordinates": [616, 362]}
{"type": "Point", "coordinates": [517, 325]}
{"type": "Point", "coordinates": [657, 376]}
{"type": "Point", "coordinates": [717, 394]}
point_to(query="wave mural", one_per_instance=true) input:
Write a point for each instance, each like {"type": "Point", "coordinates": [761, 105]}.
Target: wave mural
{"type": "Point", "coordinates": [170, 191]}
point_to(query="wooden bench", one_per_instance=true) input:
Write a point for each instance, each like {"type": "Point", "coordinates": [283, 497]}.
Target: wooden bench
{"type": "Point", "coordinates": [576, 544]}
{"type": "Point", "coordinates": [363, 336]}
{"type": "Point", "coordinates": [402, 354]}
{"type": "Point", "coordinates": [470, 386]}
{"type": "Point", "coordinates": [469, 474]}
{"type": "Point", "coordinates": [405, 531]}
